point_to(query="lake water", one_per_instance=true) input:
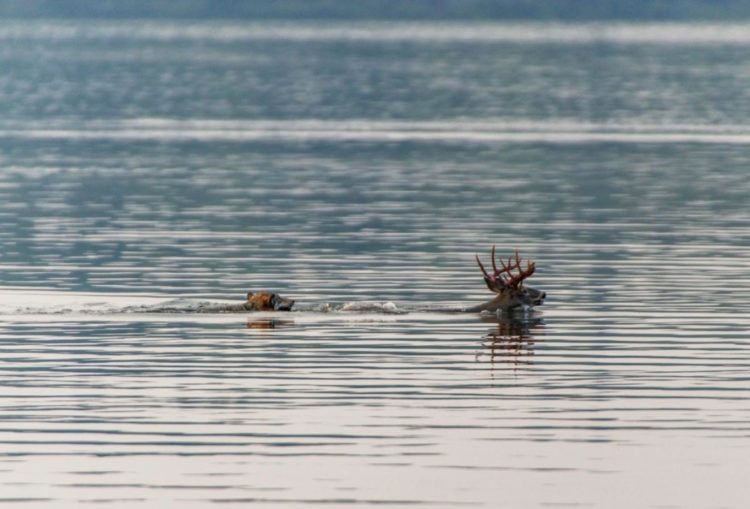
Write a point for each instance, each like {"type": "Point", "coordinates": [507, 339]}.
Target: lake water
{"type": "Point", "coordinates": [149, 167]}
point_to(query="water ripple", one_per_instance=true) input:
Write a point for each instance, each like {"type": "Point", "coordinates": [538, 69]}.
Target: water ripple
{"type": "Point", "coordinates": [152, 173]}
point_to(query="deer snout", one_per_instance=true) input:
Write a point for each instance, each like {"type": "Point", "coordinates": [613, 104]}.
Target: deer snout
{"type": "Point", "coordinates": [537, 296]}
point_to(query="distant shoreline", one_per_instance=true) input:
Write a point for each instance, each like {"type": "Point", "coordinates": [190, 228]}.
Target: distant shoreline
{"type": "Point", "coordinates": [507, 10]}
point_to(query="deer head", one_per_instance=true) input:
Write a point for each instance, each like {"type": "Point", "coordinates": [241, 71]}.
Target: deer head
{"type": "Point", "coordinates": [509, 287]}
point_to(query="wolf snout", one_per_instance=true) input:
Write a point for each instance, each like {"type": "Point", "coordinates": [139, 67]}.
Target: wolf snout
{"type": "Point", "coordinates": [284, 304]}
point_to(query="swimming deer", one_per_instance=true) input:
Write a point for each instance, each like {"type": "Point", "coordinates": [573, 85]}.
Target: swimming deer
{"type": "Point", "coordinates": [509, 287]}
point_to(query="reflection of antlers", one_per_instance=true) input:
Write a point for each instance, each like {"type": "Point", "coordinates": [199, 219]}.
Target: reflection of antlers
{"type": "Point", "coordinates": [504, 277]}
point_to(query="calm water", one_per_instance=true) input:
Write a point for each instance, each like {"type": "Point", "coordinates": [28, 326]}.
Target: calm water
{"type": "Point", "coordinates": [146, 168]}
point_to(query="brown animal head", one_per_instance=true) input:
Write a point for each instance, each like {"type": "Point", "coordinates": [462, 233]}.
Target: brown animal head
{"type": "Point", "coordinates": [509, 287]}
{"type": "Point", "coordinates": [267, 301]}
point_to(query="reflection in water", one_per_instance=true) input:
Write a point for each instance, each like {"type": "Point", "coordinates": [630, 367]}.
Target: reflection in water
{"type": "Point", "coordinates": [270, 323]}
{"type": "Point", "coordinates": [511, 340]}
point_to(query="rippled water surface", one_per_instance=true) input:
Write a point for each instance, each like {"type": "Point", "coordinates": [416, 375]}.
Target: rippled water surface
{"type": "Point", "coordinates": [148, 170]}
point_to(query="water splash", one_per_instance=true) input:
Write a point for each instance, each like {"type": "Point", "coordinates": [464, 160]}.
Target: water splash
{"type": "Point", "coordinates": [114, 306]}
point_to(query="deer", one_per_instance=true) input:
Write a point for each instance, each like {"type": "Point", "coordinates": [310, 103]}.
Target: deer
{"type": "Point", "coordinates": [511, 293]}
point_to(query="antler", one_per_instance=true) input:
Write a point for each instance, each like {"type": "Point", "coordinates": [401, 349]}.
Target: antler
{"type": "Point", "coordinates": [516, 281]}
{"type": "Point", "coordinates": [504, 278]}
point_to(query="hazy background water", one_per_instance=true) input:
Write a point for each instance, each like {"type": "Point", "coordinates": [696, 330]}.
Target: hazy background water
{"type": "Point", "coordinates": [178, 162]}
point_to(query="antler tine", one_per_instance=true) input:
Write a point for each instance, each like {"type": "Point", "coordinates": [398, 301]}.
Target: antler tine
{"type": "Point", "coordinates": [496, 272]}
{"type": "Point", "coordinates": [492, 281]}
{"type": "Point", "coordinates": [513, 279]}
{"type": "Point", "coordinates": [479, 262]}
{"type": "Point", "coordinates": [501, 272]}
{"type": "Point", "coordinates": [508, 268]}
{"type": "Point", "coordinates": [517, 280]}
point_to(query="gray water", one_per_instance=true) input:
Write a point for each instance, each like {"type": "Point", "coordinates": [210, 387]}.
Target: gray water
{"type": "Point", "coordinates": [147, 169]}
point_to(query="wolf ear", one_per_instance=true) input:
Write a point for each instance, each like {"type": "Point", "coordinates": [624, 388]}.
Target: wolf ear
{"type": "Point", "coordinates": [249, 294]}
